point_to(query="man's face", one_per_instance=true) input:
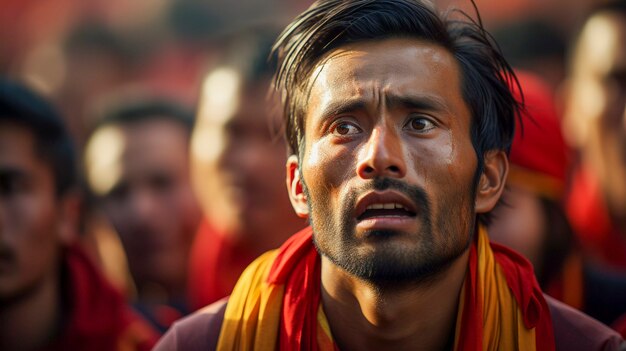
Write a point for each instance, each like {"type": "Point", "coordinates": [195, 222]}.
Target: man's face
{"type": "Point", "coordinates": [30, 242]}
{"type": "Point", "coordinates": [149, 201]}
{"type": "Point", "coordinates": [239, 163]}
{"type": "Point", "coordinates": [388, 166]}
{"type": "Point", "coordinates": [595, 113]}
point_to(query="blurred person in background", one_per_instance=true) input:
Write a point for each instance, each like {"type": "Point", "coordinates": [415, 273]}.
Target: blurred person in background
{"type": "Point", "coordinates": [137, 162]}
{"type": "Point", "coordinates": [534, 222]}
{"type": "Point", "coordinates": [52, 297]}
{"type": "Point", "coordinates": [594, 123]}
{"type": "Point", "coordinates": [399, 122]}
{"type": "Point", "coordinates": [97, 61]}
{"type": "Point", "coordinates": [238, 161]}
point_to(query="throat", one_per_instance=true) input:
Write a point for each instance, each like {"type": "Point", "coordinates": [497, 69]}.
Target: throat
{"type": "Point", "coordinates": [367, 317]}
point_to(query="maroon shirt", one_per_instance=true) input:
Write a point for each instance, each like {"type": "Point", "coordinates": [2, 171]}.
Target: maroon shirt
{"type": "Point", "coordinates": [573, 330]}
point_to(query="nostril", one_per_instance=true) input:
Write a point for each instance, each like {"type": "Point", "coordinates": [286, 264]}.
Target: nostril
{"type": "Point", "coordinates": [368, 169]}
{"type": "Point", "coordinates": [394, 169]}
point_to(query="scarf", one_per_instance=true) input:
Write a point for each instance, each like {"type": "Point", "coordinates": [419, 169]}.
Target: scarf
{"type": "Point", "coordinates": [99, 318]}
{"type": "Point", "coordinates": [215, 264]}
{"type": "Point", "coordinates": [590, 219]}
{"type": "Point", "coordinates": [276, 303]}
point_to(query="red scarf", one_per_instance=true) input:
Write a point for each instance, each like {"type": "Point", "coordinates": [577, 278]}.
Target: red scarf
{"type": "Point", "coordinates": [591, 222]}
{"type": "Point", "coordinates": [99, 318]}
{"type": "Point", "coordinates": [215, 264]}
{"type": "Point", "coordinates": [276, 303]}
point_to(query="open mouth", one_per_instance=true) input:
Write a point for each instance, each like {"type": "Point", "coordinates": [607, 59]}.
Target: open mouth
{"type": "Point", "coordinates": [385, 210]}
{"type": "Point", "coordinates": [385, 204]}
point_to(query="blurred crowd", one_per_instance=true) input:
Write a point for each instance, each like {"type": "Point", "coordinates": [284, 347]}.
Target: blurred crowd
{"type": "Point", "coordinates": [142, 161]}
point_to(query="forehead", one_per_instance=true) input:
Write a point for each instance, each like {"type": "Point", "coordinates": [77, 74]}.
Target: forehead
{"type": "Point", "coordinates": [392, 67]}
{"type": "Point", "coordinates": [159, 134]}
{"type": "Point", "coordinates": [19, 153]}
{"type": "Point", "coordinates": [136, 148]}
{"type": "Point", "coordinates": [241, 101]}
{"type": "Point", "coordinates": [17, 145]}
{"type": "Point", "coordinates": [602, 45]}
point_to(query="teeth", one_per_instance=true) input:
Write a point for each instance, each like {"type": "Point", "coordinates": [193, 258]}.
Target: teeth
{"type": "Point", "coordinates": [387, 206]}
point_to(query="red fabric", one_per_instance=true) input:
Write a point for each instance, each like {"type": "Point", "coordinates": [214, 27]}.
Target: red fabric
{"type": "Point", "coordinates": [99, 317]}
{"type": "Point", "coordinates": [589, 218]}
{"type": "Point", "coordinates": [297, 266]}
{"type": "Point", "coordinates": [215, 264]}
{"type": "Point", "coordinates": [539, 146]}
{"type": "Point", "coordinates": [472, 332]}
{"type": "Point", "coordinates": [521, 280]}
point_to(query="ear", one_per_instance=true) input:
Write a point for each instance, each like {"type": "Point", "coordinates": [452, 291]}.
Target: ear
{"type": "Point", "coordinates": [492, 181]}
{"type": "Point", "coordinates": [295, 188]}
{"type": "Point", "coordinates": [68, 217]}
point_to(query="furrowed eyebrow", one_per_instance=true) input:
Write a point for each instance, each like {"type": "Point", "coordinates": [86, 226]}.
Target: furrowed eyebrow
{"type": "Point", "coordinates": [418, 102]}
{"type": "Point", "coordinates": [347, 106]}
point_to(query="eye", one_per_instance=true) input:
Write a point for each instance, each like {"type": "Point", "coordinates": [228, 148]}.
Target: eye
{"type": "Point", "coordinates": [419, 124]}
{"type": "Point", "coordinates": [11, 184]}
{"type": "Point", "coordinates": [345, 128]}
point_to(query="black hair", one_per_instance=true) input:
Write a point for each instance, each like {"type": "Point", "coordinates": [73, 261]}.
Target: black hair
{"type": "Point", "coordinates": [146, 109]}
{"type": "Point", "coordinates": [329, 24]}
{"type": "Point", "coordinates": [22, 106]}
{"type": "Point", "coordinates": [618, 6]}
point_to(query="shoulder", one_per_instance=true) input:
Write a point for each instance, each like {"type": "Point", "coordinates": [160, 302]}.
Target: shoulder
{"type": "Point", "coordinates": [574, 330]}
{"type": "Point", "coordinates": [199, 331]}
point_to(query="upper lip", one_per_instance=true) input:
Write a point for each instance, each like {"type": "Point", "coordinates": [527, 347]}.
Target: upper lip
{"type": "Point", "coordinates": [385, 197]}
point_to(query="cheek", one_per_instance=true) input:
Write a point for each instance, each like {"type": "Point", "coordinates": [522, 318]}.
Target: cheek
{"type": "Point", "coordinates": [36, 234]}
{"type": "Point", "coordinates": [444, 166]}
{"type": "Point", "coordinates": [325, 169]}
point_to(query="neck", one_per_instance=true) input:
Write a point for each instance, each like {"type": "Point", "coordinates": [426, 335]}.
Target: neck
{"type": "Point", "coordinates": [364, 316]}
{"type": "Point", "coordinates": [31, 320]}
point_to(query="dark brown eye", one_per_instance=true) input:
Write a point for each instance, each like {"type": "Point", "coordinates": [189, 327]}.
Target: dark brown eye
{"type": "Point", "coordinates": [345, 128]}
{"type": "Point", "coordinates": [420, 124]}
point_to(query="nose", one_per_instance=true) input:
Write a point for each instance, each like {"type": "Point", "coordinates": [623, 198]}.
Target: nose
{"type": "Point", "coordinates": [142, 205]}
{"type": "Point", "coordinates": [382, 156]}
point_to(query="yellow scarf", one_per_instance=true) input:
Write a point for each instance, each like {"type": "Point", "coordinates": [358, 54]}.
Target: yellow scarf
{"type": "Point", "coordinates": [270, 307]}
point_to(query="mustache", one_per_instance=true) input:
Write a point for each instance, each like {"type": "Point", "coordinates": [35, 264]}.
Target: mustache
{"type": "Point", "coordinates": [415, 193]}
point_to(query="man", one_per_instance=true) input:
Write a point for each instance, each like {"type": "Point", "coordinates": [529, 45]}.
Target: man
{"type": "Point", "coordinates": [534, 222]}
{"type": "Point", "coordinates": [398, 122]}
{"type": "Point", "coordinates": [238, 165]}
{"type": "Point", "coordinates": [595, 125]}
{"type": "Point", "coordinates": [51, 296]}
{"type": "Point", "coordinates": [137, 162]}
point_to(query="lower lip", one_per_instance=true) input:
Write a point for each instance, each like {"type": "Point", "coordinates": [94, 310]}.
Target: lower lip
{"type": "Point", "coordinates": [401, 223]}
